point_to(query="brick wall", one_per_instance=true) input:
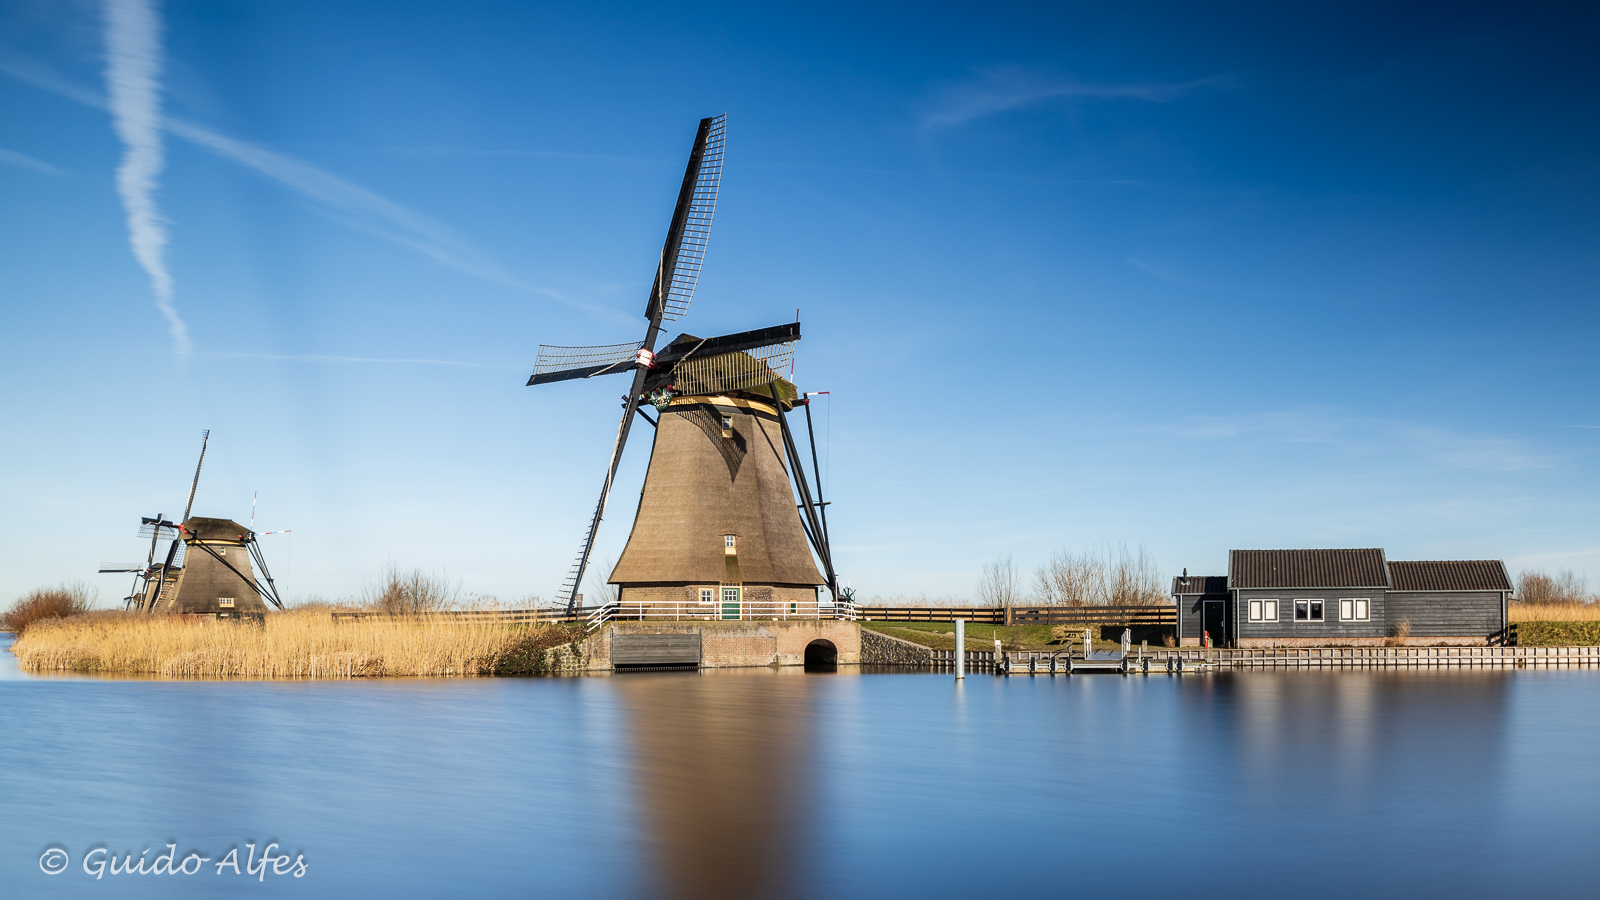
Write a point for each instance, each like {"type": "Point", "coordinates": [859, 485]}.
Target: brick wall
{"type": "Point", "coordinates": [734, 644]}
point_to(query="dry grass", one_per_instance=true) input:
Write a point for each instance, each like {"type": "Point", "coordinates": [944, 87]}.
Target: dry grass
{"type": "Point", "coordinates": [1398, 634]}
{"type": "Point", "coordinates": [293, 644]}
{"type": "Point", "coordinates": [1554, 612]}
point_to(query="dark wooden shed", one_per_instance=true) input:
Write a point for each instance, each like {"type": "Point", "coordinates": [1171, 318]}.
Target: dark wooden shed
{"type": "Point", "coordinates": [1204, 608]}
{"type": "Point", "coordinates": [1343, 597]}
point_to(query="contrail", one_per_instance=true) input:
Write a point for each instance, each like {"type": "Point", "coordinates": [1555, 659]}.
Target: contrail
{"type": "Point", "coordinates": [133, 70]}
{"type": "Point", "coordinates": [348, 203]}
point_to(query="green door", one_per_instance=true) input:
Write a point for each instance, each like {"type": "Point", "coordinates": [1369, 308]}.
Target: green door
{"type": "Point", "coordinates": [730, 602]}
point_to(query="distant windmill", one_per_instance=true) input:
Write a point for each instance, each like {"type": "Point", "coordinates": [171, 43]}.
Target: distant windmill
{"type": "Point", "coordinates": [718, 510]}
{"type": "Point", "coordinates": [218, 576]}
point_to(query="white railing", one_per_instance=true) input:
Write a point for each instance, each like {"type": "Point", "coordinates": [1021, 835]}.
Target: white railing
{"type": "Point", "coordinates": [715, 611]}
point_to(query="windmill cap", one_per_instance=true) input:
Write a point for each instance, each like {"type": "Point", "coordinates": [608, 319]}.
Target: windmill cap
{"type": "Point", "coordinates": [200, 528]}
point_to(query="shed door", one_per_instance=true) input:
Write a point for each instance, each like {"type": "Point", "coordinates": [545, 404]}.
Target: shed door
{"type": "Point", "coordinates": [1215, 622]}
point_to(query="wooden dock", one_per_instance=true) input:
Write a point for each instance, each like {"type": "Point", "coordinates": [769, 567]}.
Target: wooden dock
{"type": "Point", "coordinates": [1024, 662]}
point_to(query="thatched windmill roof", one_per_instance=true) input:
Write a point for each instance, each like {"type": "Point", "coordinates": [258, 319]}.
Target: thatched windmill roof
{"type": "Point", "coordinates": [703, 485]}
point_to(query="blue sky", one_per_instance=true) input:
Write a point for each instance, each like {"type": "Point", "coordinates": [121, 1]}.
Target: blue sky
{"type": "Point", "coordinates": [1192, 278]}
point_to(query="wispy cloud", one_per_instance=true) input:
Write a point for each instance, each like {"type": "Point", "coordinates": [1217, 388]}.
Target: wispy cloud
{"type": "Point", "coordinates": [133, 74]}
{"type": "Point", "coordinates": [1370, 436]}
{"type": "Point", "coordinates": [1001, 88]}
{"type": "Point", "coordinates": [352, 205]}
{"type": "Point", "coordinates": [355, 205]}
{"type": "Point", "coordinates": [1173, 276]}
{"type": "Point", "coordinates": [361, 359]}
{"type": "Point", "coordinates": [24, 161]}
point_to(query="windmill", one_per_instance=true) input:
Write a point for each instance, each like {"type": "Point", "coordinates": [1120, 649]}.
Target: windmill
{"type": "Point", "coordinates": [157, 529]}
{"type": "Point", "coordinates": [218, 577]}
{"type": "Point", "coordinates": [718, 399]}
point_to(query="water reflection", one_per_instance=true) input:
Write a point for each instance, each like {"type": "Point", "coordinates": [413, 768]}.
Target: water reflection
{"type": "Point", "coordinates": [721, 764]}
{"type": "Point", "coordinates": [1340, 737]}
{"type": "Point", "coordinates": [762, 784]}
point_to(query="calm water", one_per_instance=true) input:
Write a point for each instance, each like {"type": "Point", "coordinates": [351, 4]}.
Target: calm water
{"type": "Point", "coordinates": [794, 785]}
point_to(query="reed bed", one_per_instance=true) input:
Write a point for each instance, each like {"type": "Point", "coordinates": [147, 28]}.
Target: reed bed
{"type": "Point", "coordinates": [292, 644]}
{"type": "Point", "coordinates": [1554, 612]}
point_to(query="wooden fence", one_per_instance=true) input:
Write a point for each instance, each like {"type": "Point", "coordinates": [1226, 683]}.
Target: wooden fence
{"type": "Point", "coordinates": [980, 615]}
{"type": "Point", "coordinates": [1024, 615]}
{"type": "Point", "coordinates": [508, 616]}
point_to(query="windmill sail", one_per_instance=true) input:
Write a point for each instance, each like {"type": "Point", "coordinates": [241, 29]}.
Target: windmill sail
{"type": "Point", "coordinates": [685, 249]}
{"type": "Point", "coordinates": [161, 531]}
{"type": "Point", "coordinates": [741, 371]}
{"type": "Point", "coordinates": [677, 273]}
{"type": "Point", "coordinates": [564, 363]}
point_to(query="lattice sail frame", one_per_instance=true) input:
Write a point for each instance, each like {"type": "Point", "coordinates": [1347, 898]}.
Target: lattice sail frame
{"type": "Point", "coordinates": [553, 358]}
{"type": "Point", "coordinates": [166, 531]}
{"type": "Point", "coordinates": [741, 371]}
{"type": "Point", "coordinates": [697, 227]}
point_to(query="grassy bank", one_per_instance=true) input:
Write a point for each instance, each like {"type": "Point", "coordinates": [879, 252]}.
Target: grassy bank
{"type": "Point", "coordinates": [942, 635]}
{"type": "Point", "coordinates": [1558, 634]}
{"type": "Point", "coordinates": [294, 644]}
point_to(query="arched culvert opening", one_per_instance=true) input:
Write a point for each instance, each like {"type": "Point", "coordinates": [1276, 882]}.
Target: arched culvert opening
{"type": "Point", "coordinates": [822, 656]}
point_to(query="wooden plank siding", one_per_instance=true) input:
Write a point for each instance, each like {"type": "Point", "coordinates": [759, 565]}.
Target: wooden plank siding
{"type": "Point", "coordinates": [1191, 613]}
{"type": "Point", "coordinates": [1447, 613]}
{"type": "Point", "coordinates": [1331, 629]}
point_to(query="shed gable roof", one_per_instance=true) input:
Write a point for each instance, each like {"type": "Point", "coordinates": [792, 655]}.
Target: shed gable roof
{"type": "Point", "coordinates": [1307, 568]}
{"type": "Point", "coordinates": [1449, 575]}
{"type": "Point", "coordinates": [1200, 584]}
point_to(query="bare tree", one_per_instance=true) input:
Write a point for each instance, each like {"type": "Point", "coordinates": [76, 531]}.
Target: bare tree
{"type": "Point", "coordinates": [1134, 579]}
{"type": "Point", "coordinates": [1114, 576]}
{"type": "Point", "coordinates": [1566, 586]}
{"type": "Point", "coordinates": [1000, 585]}
{"type": "Point", "coordinates": [70, 599]}
{"type": "Point", "coordinates": [603, 593]}
{"type": "Point", "coordinates": [411, 593]}
{"type": "Point", "coordinates": [1071, 579]}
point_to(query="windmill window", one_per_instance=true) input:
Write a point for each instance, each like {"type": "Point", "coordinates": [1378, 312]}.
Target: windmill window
{"type": "Point", "coordinates": [224, 601]}
{"type": "Point", "coordinates": [727, 426]}
{"type": "Point", "coordinates": [708, 595]}
{"type": "Point", "coordinates": [728, 545]}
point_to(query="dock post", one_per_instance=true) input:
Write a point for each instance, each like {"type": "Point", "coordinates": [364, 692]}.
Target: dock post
{"type": "Point", "coordinates": [961, 649]}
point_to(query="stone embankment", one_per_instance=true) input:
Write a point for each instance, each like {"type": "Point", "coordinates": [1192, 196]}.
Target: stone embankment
{"type": "Point", "coordinates": [882, 650]}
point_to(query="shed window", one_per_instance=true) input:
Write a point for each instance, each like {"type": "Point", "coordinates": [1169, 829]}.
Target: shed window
{"type": "Point", "coordinates": [1308, 610]}
{"type": "Point", "coordinates": [224, 601]}
{"type": "Point", "coordinates": [1263, 610]}
{"type": "Point", "coordinates": [707, 595]}
{"type": "Point", "coordinates": [1355, 609]}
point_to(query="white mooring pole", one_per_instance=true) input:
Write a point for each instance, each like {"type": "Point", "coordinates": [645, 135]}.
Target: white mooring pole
{"type": "Point", "coordinates": [961, 649]}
